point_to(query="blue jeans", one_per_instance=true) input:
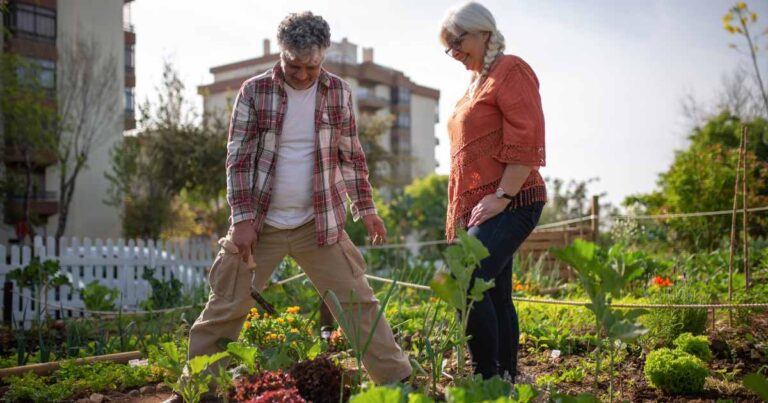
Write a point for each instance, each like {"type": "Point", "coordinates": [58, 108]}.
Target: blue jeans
{"type": "Point", "coordinates": [493, 322]}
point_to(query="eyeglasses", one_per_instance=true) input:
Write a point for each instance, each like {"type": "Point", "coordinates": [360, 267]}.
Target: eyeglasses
{"type": "Point", "coordinates": [455, 44]}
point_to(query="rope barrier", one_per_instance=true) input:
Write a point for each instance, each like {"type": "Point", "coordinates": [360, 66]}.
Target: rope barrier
{"type": "Point", "coordinates": [59, 307]}
{"type": "Point", "coordinates": [571, 303]}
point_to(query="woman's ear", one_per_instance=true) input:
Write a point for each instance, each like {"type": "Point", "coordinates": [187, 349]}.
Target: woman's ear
{"type": "Point", "coordinates": [486, 35]}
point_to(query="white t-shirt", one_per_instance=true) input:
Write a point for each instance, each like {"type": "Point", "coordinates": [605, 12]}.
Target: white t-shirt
{"type": "Point", "coordinates": [292, 191]}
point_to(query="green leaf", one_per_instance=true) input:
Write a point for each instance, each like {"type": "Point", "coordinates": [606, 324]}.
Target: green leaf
{"type": "Point", "coordinates": [626, 331]}
{"type": "Point", "coordinates": [446, 288]}
{"type": "Point", "coordinates": [758, 384]}
{"type": "Point", "coordinates": [379, 394]}
{"type": "Point", "coordinates": [480, 287]}
{"type": "Point", "coordinates": [200, 363]}
{"type": "Point", "coordinates": [419, 398]}
{"type": "Point", "coordinates": [244, 354]}
{"type": "Point", "coordinates": [316, 349]}
{"type": "Point", "coordinates": [525, 393]}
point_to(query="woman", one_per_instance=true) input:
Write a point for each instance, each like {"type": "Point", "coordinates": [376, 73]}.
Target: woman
{"type": "Point", "coordinates": [495, 189]}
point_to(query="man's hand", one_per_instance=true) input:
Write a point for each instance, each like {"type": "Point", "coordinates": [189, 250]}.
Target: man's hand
{"type": "Point", "coordinates": [243, 236]}
{"type": "Point", "coordinates": [376, 230]}
{"type": "Point", "coordinates": [488, 207]}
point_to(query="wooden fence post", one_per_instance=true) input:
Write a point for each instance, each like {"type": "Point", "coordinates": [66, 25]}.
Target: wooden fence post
{"type": "Point", "coordinates": [595, 221]}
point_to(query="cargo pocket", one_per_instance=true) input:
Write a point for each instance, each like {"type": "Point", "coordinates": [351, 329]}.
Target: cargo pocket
{"type": "Point", "coordinates": [224, 271]}
{"type": "Point", "coordinates": [352, 255]}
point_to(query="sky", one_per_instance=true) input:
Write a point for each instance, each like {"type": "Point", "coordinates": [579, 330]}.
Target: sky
{"type": "Point", "coordinates": [613, 73]}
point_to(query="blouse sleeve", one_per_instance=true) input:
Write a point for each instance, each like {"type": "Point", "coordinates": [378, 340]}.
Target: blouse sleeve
{"type": "Point", "coordinates": [523, 119]}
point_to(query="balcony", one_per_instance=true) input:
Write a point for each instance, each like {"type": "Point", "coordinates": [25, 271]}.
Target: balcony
{"type": "Point", "coordinates": [367, 99]}
{"type": "Point", "coordinates": [14, 156]}
{"type": "Point", "coordinates": [41, 203]}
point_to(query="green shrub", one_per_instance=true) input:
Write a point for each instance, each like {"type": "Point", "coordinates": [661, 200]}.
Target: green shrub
{"type": "Point", "coordinates": [675, 372]}
{"type": "Point", "coordinates": [697, 346]}
{"type": "Point", "coordinates": [665, 325]}
{"type": "Point", "coordinates": [97, 297]}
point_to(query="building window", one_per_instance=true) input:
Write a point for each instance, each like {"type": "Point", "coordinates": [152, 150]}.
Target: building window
{"type": "Point", "coordinates": [403, 120]}
{"type": "Point", "coordinates": [130, 58]}
{"type": "Point", "coordinates": [32, 22]}
{"type": "Point", "coordinates": [401, 95]}
{"type": "Point", "coordinates": [40, 72]}
{"type": "Point", "coordinates": [129, 102]}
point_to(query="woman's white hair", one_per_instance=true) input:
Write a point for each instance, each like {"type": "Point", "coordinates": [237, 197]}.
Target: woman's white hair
{"type": "Point", "coordinates": [473, 17]}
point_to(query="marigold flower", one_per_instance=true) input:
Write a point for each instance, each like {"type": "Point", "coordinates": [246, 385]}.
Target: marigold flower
{"type": "Point", "coordinates": [662, 282]}
{"type": "Point", "coordinates": [293, 309]}
{"type": "Point", "coordinates": [294, 330]}
{"type": "Point", "coordinates": [280, 320]}
{"type": "Point", "coordinates": [519, 287]}
{"type": "Point", "coordinates": [290, 319]}
{"type": "Point", "coordinates": [247, 325]}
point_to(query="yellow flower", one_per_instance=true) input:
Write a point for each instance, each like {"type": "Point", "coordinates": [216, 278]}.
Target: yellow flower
{"type": "Point", "coordinates": [741, 6]}
{"type": "Point", "coordinates": [293, 309]}
{"type": "Point", "coordinates": [280, 320]}
{"type": "Point", "coordinates": [294, 330]}
{"type": "Point", "coordinates": [754, 16]}
{"type": "Point", "coordinates": [309, 332]}
{"type": "Point", "coordinates": [726, 19]}
{"type": "Point", "coordinates": [730, 29]}
{"type": "Point", "coordinates": [433, 300]}
{"type": "Point", "coordinates": [290, 319]}
{"type": "Point", "coordinates": [247, 325]}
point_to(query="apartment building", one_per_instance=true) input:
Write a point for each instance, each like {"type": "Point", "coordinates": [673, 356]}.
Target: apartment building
{"type": "Point", "coordinates": [378, 90]}
{"type": "Point", "coordinates": [38, 30]}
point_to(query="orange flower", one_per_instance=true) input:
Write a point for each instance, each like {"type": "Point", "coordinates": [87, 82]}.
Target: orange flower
{"type": "Point", "coordinates": [662, 282]}
{"type": "Point", "coordinates": [293, 309]}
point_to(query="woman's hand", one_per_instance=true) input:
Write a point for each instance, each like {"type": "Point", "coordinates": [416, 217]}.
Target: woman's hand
{"type": "Point", "coordinates": [488, 207]}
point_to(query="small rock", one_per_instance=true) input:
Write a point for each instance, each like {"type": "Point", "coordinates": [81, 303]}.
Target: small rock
{"type": "Point", "coordinates": [97, 398]}
{"type": "Point", "coordinates": [555, 354]}
{"type": "Point", "coordinates": [134, 393]}
{"type": "Point", "coordinates": [147, 390]}
{"type": "Point", "coordinates": [162, 388]}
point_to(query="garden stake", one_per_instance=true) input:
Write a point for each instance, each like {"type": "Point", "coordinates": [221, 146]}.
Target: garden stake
{"type": "Point", "coordinates": [744, 132]}
{"type": "Point", "coordinates": [733, 231]}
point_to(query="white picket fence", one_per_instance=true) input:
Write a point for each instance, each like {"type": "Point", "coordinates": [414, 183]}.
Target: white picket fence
{"type": "Point", "coordinates": [117, 265]}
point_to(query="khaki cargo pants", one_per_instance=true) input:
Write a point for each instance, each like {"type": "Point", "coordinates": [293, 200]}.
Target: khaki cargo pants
{"type": "Point", "coordinates": [339, 267]}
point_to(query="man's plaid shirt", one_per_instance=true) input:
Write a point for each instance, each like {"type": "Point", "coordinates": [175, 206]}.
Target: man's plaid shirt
{"type": "Point", "coordinates": [254, 136]}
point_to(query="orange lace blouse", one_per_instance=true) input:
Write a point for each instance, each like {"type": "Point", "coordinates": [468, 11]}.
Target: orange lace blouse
{"type": "Point", "coordinates": [503, 124]}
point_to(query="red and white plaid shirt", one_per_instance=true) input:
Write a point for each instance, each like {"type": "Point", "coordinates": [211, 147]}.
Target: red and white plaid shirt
{"type": "Point", "coordinates": [254, 136]}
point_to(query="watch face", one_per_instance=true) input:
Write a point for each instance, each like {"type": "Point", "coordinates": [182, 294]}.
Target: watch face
{"type": "Point", "coordinates": [499, 193]}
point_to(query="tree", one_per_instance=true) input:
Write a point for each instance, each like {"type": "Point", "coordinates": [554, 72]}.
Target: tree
{"type": "Point", "coordinates": [381, 162]}
{"type": "Point", "coordinates": [89, 103]}
{"type": "Point", "coordinates": [571, 200]}
{"type": "Point", "coordinates": [170, 175]}
{"type": "Point", "coordinates": [702, 178]}
{"type": "Point", "coordinates": [28, 114]}
{"type": "Point", "coordinates": [746, 19]}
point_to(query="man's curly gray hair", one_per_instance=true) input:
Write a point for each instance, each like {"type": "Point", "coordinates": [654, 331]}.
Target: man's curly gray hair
{"type": "Point", "coordinates": [300, 34]}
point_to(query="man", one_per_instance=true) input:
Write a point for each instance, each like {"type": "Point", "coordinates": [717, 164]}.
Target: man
{"type": "Point", "coordinates": [293, 156]}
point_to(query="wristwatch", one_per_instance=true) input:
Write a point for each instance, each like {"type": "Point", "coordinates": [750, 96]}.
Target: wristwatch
{"type": "Point", "coordinates": [500, 194]}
